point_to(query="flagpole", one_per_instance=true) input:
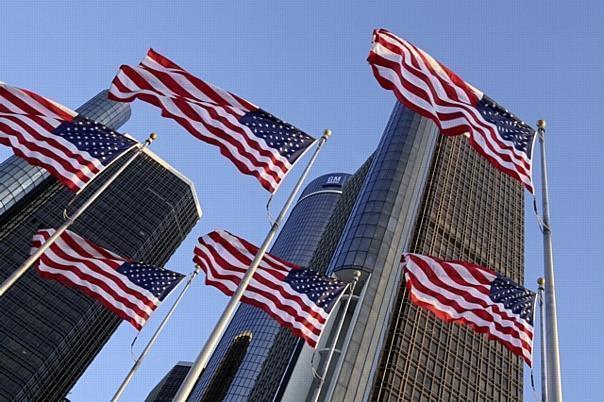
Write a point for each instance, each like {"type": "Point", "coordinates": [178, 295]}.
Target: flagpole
{"type": "Point", "coordinates": [541, 283]}
{"type": "Point", "coordinates": [204, 356]}
{"type": "Point", "coordinates": [158, 331]}
{"type": "Point", "coordinates": [554, 381]}
{"type": "Point", "coordinates": [317, 391]}
{"type": "Point", "coordinates": [10, 281]}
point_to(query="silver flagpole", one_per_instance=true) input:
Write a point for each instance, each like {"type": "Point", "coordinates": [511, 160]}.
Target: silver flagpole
{"type": "Point", "coordinates": [541, 282]}
{"type": "Point", "coordinates": [158, 331]}
{"type": "Point", "coordinates": [554, 377]}
{"type": "Point", "coordinates": [202, 359]}
{"type": "Point", "coordinates": [10, 281]}
{"type": "Point", "coordinates": [317, 391]}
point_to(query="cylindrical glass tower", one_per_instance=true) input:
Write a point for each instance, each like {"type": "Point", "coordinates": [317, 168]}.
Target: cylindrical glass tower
{"type": "Point", "coordinates": [252, 333]}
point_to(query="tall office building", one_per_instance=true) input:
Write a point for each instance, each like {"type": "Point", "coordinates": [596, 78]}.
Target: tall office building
{"type": "Point", "coordinates": [49, 333]}
{"type": "Point", "coordinates": [429, 194]}
{"type": "Point", "coordinates": [166, 389]}
{"type": "Point", "coordinates": [243, 353]}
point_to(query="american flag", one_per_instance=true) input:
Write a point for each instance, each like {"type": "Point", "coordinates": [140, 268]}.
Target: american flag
{"type": "Point", "coordinates": [476, 296]}
{"type": "Point", "coordinates": [298, 298]}
{"type": "Point", "coordinates": [257, 142]}
{"type": "Point", "coordinates": [129, 289]}
{"type": "Point", "coordinates": [429, 88]}
{"type": "Point", "coordinates": [44, 133]}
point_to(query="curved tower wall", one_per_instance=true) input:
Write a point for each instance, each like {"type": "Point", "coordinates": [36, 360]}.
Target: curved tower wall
{"type": "Point", "coordinates": [380, 227]}
{"type": "Point", "coordinates": [296, 243]}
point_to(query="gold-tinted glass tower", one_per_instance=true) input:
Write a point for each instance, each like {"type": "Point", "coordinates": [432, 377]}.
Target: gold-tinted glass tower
{"type": "Point", "coordinates": [470, 212]}
{"type": "Point", "coordinates": [429, 194]}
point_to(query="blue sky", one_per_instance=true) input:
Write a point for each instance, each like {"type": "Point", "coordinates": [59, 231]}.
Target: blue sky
{"type": "Point", "coordinates": [305, 62]}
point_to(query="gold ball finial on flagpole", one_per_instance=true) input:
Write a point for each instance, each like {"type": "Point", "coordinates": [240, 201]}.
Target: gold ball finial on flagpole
{"type": "Point", "coordinates": [327, 133]}
{"type": "Point", "coordinates": [541, 124]}
{"type": "Point", "coordinates": [153, 136]}
{"type": "Point", "coordinates": [540, 281]}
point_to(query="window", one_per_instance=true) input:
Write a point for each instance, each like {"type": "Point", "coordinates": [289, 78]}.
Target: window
{"type": "Point", "coordinates": [228, 368]}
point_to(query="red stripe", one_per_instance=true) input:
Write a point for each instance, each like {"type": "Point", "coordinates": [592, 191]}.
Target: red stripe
{"type": "Point", "coordinates": [453, 78]}
{"type": "Point", "coordinates": [278, 275]}
{"type": "Point", "coordinates": [208, 257]}
{"type": "Point", "coordinates": [489, 312]}
{"type": "Point", "coordinates": [50, 141]}
{"type": "Point", "coordinates": [451, 272]}
{"type": "Point", "coordinates": [65, 256]}
{"type": "Point", "coordinates": [75, 241]}
{"type": "Point", "coordinates": [298, 332]}
{"type": "Point", "coordinates": [484, 313]}
{"type": "Point", "coordinates": [183, 100]}
{"type": "Point", "coordinates": [221, 279]}
{"type": "Point", "coordinates": [8, 93]}
{"type": "Point", "coordinates": [276, 285]}
{"type": "Point", "coordinates": [479, 127]}
{"type": "Point", "coordinates": [115, 277]}
{"type": "Point", "coordinates": [476, 125]}
{"type": "Point", "coordinates": [395, 67]}
{"type": "Point", "coordinates": [199, 83]}
{"type": "Point", "coordinates": [92, 295]}
{"type": "Point", "coordinates": [251, 290]}
{"type": "Point", "coordinates": [178, 89]}
{"type": "Point", "coordinates": [270, 295]}
{"type": "Point", "coordinates": [478, 273]}
{"type": "Point", "coordinates": [264, 308]}
{"type": "Point", "coordinates": [46, 260]}
{"type": "Point", "coordinates": [184, 105]}
{"type": "Point", "coordinates": [251, 250]}
{"type": "Point", "coordinates": [93, 265]}
{"type": "Point", "coordinates": [458, 130]}
{"type": "Point", "coordinates": [50, 168]}
{"type": "Point", "coordinates": [61, 113]}
{"type": "Point", "coordinates": [418, 71]}
{"type": "Point", "coordinates": [483, 330]}
{"type": "Point", "coordinates": [224, 150]}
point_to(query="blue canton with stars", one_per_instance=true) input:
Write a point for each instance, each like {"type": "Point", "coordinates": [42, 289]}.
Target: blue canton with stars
{"type": "Point", "coordinates": [514, 297]}
{"type": "Point", "coordinates": [98, 140]}
{"type": "Point", "coordinates": [509, 126]}
{"type": "Point", "coordinates": [159, 282]}
{"type": "Point", "coordinates": [279, 135]}
{"type": "Point", "coordinates": [323, 291]}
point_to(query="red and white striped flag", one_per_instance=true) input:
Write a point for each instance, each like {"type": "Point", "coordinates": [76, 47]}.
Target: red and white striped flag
{"type": "Point", "coordinates": [70, 147]}
{"type": "Point", "coordinates": [258, 143]}
{"type": "Point", "coordinates": [298, 298]}
{"type": "Point", "coordinates": [429, 88]}
{"type": "Point", "coordinates": [476, 296]}
{"type": "Point", "coordinates": [129, 289]}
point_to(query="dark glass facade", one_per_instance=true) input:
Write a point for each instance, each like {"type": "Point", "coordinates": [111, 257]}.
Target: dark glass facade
{"type": "Point", "coordinates": [165, 390]}
{"type": "Point", "coordinates": [296, 242]}
{"type": "Point", "coordinates": [49, 333]}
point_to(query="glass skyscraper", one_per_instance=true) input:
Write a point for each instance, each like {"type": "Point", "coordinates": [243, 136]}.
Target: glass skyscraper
{"type": "Point", "coordinates": [165, 390]}
{"type": "Point", "coordinates": [430, 194]}
{"type": "Point", "coordinates": [49, 333]}
{"type": "Point", "coordinates": [418, 192]}
{"type": "Point", "coordinates": [252, 337]}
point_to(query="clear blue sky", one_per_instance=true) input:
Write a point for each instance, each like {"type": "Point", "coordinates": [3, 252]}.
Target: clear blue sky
{"type": "Point", "coordinates": [305, 62]}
